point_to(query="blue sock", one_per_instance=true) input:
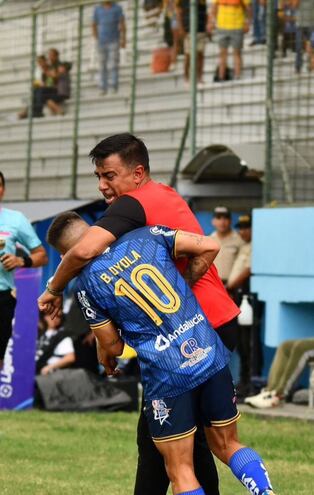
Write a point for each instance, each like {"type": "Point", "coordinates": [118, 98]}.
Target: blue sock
{"type": "Point", "coordinates": [199, 491]}
{"type": "Point", "coordinates": [248, 467]}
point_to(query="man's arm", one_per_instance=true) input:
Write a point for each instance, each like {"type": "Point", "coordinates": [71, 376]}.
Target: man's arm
{"type": "Point", "coordinates": [109, 346]}
{"type": "Point", "coordinates": [64, 362]}
{"type": "Point", "coordinates": [240, 279]}
{"type": "Point", "coordinates": [92, 244]}
{"type": "Point", "coordinates": [201, 251]}
{"type": "Point", "coordinates": [38, 257]}
{"type": "Point", "coordinates": [95, 30]}
{"type": "Point", "coordinates": [122, 27]}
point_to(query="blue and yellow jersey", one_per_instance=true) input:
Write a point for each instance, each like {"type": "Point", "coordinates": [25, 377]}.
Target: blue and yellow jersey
{"type": "Point", "coordinates": [135, 284]}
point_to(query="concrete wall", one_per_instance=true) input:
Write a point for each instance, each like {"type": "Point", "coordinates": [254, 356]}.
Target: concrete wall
{"type": "Point", "coordinates": [283, 267]}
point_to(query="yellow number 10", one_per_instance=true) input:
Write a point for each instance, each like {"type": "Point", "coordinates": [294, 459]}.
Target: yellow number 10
{"type": "Point", "coordinates": [123, 288]}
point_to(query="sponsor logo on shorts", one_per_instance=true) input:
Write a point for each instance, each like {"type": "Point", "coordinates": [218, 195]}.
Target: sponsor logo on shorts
{"type": "Point", "coordinates": [251, 485]}
{"type": "Point", "coordinates": [89, 313]}
{"type": "Point", "coordinates": [193, 353]}
{"type": "Point", "coordinates": [161, 411]}
{"type": "Point", "coordinates": [162, 343]}
{"type": "Point", "coordinates": [159, 231]}
{"type": "Point", "coordinates": [6, 391]}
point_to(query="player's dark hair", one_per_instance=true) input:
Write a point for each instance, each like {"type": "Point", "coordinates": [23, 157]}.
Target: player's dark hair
{"type": "Point", "coordinates": [59, 224]}
{"type": "Point", "coordinates": [2, 179]}
{"type": "Point", "coordinates": [130, 149]}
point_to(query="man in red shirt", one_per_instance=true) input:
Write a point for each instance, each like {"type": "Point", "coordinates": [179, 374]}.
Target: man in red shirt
{"type": "Point", "coordinates": [135, 200]}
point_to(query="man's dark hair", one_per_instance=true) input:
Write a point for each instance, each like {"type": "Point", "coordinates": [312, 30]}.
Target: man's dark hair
{"type": "Point", "coordinates": [2, 179]}
{"type": "Point", "coordinates": [58, 225]}
{"type": "Point", "coordinates": [130, 149]}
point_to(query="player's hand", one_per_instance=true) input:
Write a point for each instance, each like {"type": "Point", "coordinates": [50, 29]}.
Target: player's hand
{"type": "Point", "coordinates": [109, 363]}
{"type": "Point", "coordinates": [49, 304]}
{"type": "Point", "coordinates": [46, 370]}
{"type": "Point", "coordinates": [10, 261]}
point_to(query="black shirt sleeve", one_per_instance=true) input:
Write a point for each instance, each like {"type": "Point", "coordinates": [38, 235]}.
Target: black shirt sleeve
{"type": "Point", "coordinates": [124, 215]}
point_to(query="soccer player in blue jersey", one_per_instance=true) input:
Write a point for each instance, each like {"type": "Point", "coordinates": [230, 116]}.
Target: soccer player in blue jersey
{"type": "Point", "coordinates": [135, 286]}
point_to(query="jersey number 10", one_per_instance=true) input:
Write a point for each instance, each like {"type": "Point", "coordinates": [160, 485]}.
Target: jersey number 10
{"type": "Point", "coordinates": [123, 288]}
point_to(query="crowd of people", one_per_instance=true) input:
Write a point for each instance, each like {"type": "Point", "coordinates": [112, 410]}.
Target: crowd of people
{"type": "Point", "coordinates": [228, 21]}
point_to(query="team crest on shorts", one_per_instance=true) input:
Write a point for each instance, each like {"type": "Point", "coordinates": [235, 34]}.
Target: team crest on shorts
{"type": "Point", "coordinates": [194, 354]}
{"type": "Point", "coordinates": [161, 411]}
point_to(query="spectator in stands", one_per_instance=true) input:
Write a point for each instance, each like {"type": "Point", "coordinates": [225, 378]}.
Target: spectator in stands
{"type": "Point", "coordinates": [183, 18]}
{"type": "Point", "coordinates": [304, 32]}
{"type": "Point", "coordinates": [55, 349]}
{"type": "Point", "coordinates": [232, 20]}
{"type": "Point", "coordinates": [289, 362]}
{"type": "Point", "coordinates": [259, 22]}
{"type": "Point", "coordinates": [171, 22]}
{"type": "Point", "coordinates": [44, 87]}
{"type": "Point", "coordinates": [63, 90]}
{"type": "Point", "coordinates": [249, 345]}
{"type": "Point", "coordinates": [110, 32]}
{"type": "Point", "coordinates": [289, 27]}
{"type": "Point", "coordinates": [229, 240]}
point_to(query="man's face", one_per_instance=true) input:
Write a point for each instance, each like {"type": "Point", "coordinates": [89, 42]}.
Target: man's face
{"type": "Point", "coordinates": [116, 178]}
{"type": "Point", "coordinates": [53, 56]}
{"type": "Point", "coordinates": [222, 224]}
{"type": "Point", "coordinates": [1, 189]}
{"type": "Point", "coordinates": [246, 234]}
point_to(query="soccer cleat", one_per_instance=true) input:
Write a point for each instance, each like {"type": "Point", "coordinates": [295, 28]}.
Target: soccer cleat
{"type": "Point", "coordinates": [264, 400]}
{"type": "Point", "coordinates": [268, 492]}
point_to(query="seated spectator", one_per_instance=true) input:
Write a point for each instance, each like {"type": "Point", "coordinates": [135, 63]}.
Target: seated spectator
{"type": "Point", "coordinates": [55, 348]}
{"type": "Point", "coordinates": [288, 364]}
{"type": "Point", "coordinates": [45, 87]}
{"type": "Point", "coordinates": [55, 101]}
{"type": "Point", "coordinates": [232, 20]}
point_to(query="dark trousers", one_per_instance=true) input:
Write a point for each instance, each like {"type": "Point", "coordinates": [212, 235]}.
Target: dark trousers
{"type": "Point", "coordinates": [41, 96]}
{"type": "Point", "coordinates": [7, 307]}
{"type": "Point", "coordinates": [151, 476]}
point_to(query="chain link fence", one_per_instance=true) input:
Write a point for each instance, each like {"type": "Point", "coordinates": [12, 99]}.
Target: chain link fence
{"type": "Point", "coordinates": [263, 114]}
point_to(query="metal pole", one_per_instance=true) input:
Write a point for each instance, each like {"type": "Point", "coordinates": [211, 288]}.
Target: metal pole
{"type": "Point", "coordinates": [30, 107]}
{"type": "Point", "coordinates": [193, 75]}
{"type": "Point", "coordinates": [270, 33]}
{"type": "Point", "coordinates": [75, 146]}
{"type": "Point", "coordinates": [134, 68]}
{"type": "Point", "coordinates": [173, 180]}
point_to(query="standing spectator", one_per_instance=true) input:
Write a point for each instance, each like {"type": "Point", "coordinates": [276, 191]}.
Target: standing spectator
{"type": "Point", "coordinates": [171, 22]}
{"type": "Point", "coordinates": [304, 32]}
{"type": "Point", "coordinates": [289, 27]}
{"type": "Point", "coordinates": [232, 19]}
{"type": "Point", "coordinates": [110, 32]}
{"type": "Point", "coordinates": [14, 227]}
{"type": "Point", "coordinates": [249, 344]}
{"type": "Point", "coordinates": [229, 240]}
{"type": "Point", "coordinates": [183, 18]}
{"type": "Point", "coordinates": [259, 22]}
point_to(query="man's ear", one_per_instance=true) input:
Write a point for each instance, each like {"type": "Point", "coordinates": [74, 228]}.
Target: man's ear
{"type": "Point", "coordinates": [138, 173]}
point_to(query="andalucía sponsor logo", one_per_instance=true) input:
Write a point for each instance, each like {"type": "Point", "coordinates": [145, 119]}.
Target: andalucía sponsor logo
{"type": "Point", "coordinates": [162, 343]}
{"type": "Point", "coordinates": [193, 353]}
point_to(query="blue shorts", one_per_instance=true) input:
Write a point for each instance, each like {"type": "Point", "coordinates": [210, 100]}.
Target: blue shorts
{"type": "Point", "coordinates": [213, 403]}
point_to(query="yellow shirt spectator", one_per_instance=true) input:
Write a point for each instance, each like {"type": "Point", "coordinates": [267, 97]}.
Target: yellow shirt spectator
{"type": "Point", "coordinates": [231, 13]}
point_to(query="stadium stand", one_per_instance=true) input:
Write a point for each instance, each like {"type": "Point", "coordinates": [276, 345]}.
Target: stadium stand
{"type": "Point", "coordinates": [230, 113]}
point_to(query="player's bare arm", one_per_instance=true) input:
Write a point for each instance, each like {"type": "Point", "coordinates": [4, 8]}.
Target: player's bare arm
{"type": "Point", "coordinates": [92, 244]}
{"type": "Point", "coordinates": [109, 346]}
{"type": "Point", "coordinates": [201, 251]}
